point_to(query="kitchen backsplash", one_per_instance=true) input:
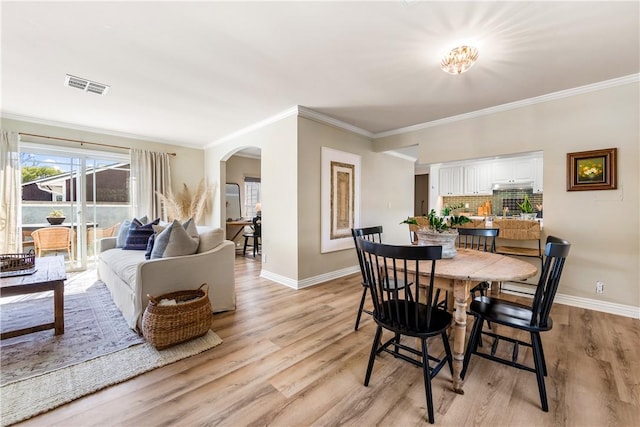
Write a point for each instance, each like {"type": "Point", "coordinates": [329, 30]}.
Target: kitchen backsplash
{"type": "Point", "coordinates": [499, 199]}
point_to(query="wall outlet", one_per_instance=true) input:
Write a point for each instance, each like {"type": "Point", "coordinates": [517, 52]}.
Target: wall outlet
{"type": "Point", "coordinates": [599, 287]}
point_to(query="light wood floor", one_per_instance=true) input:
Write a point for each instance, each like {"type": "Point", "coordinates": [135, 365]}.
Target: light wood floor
{"type": "Point", "coordinates": [292, 358]}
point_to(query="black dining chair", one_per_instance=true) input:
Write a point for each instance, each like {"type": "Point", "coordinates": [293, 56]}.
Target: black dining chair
{"type": "Point", "coordinates": [254, 236]}
{"type": "Point", "coordinates": [394, 311]}
{"type": "Point", "coordinates": [373, 234]}
{"type": "Point", "coordinates": [479, 239]}
{"type": "Point", "coordinates": [533, 318]}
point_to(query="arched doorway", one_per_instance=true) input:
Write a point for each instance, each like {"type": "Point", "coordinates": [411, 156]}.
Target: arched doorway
{"type": "Point", "coordinates": [242, 191]}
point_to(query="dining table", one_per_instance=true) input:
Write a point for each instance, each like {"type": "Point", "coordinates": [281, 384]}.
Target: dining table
{"type": "Point", "coordinates": [459, 275]}
{"type": "Point", "coordinates": [239, 224]}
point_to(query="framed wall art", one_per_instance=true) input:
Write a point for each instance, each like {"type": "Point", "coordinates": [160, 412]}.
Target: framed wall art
{"type": "Point", "coordinates": [340, 198]}
{"type": "Point", "coordinates": [592, 170]}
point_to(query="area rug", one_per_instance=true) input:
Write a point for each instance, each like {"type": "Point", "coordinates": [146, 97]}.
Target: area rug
{"type": "Point", "coordinates": [27, 398]}
{"type": "Point", "coordinates": [93, 327]}
{"type": "Point", "coordinates": [41, 371]}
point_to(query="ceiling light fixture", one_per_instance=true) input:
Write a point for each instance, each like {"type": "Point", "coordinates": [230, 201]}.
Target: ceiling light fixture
{"type": "Point", "coordinates": [459, 60]}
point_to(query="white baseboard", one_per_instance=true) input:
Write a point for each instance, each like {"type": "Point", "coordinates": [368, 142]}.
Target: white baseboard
{"type": "Point", "coordinates": [604, 306]}
{"type": "Point", "coordinates": [311, 281]}
{"type": "Point", "coordinates": [509, 288]}
{"type": "Point", "coordinates": [581, 302]}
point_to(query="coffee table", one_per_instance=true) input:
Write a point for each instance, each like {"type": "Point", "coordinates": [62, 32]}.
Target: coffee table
{"type": "Point", "coordinates": [49, 276]}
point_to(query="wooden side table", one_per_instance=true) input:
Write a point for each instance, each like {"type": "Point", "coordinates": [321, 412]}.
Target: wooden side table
{"type": "Point", "coordinates": [49, 276]}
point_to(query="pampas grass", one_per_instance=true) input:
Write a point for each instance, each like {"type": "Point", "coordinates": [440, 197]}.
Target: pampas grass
{"type": "Point", "coordinates": [184, 205]}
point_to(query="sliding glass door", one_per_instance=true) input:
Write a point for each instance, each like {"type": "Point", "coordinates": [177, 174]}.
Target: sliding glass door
{"type": "Point", "coordinates": [88, 191]}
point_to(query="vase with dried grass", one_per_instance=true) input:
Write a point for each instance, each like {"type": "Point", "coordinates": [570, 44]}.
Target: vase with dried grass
{"type": "Point", "coordinates": [185, 204]}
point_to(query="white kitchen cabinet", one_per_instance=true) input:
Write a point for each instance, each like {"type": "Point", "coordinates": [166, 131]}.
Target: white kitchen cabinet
{"type": "Point", "coordinates": [515, 170]}
{"type": "Point", "coordinates": [538, 173]}
{"type": "Point", "coordinates": [450, 181]}
{"type": "Point", "coordinates": [478, 178]}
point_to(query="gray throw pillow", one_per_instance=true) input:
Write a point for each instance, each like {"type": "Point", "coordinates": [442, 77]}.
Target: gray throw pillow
{"type": "Point", "coordinates": [122, 234]}
{"type": "Point", "coordinates": [175, 240]}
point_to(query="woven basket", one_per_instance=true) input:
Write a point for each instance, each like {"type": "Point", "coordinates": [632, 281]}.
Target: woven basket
{"type": "Point", "coordinates": [17, 264]}
{"type": "Point", "coordinates": [167, 325]}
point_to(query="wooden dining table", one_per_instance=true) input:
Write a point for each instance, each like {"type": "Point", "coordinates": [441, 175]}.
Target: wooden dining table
{"type": "Point", "coordinates": [461, 273]}
{"type": "Point", "coordinates": [240, 224]}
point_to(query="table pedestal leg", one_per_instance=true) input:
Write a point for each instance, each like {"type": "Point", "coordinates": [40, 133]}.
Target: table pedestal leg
{"type": "Point", "coordinates": [461, 294]}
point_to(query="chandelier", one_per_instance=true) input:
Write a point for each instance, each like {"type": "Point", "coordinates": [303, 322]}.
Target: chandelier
{"type": "Point", "coordinates": [459, 60]}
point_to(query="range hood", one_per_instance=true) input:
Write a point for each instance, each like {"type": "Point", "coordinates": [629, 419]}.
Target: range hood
{"type": "Point", "coordinates": [522, 185]}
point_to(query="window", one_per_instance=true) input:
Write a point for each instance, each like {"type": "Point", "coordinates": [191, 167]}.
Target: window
{"type": "Point", "coordinates": [91, 188]}
{"type": "Point", "coordinates": [251, 195]}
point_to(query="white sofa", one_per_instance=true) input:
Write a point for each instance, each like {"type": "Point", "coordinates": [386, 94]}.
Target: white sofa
{"type": "Point", "coordinates": [130, 277]}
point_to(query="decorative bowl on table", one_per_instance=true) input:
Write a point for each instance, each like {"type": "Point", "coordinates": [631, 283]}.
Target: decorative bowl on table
{"type": "Point", "coordinates": [55, 220]}
{"type": "Point", "coordinates": [446, 239]}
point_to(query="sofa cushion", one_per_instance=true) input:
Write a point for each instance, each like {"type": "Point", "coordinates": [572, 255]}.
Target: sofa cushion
{"type": "Point", "coordinates": [121, 237]}
{"type": "Point", "coordinates": [157, 229]}
{"type": "Point", "coordinates": [175, 240]}
{"type": "Point", "coordinates": [138, 235]}
{"type": "Point", "coordinates": [189, 225]}
{"type": "Point", "coordinates": [210, 238]}
{"type": "Point", "coordinates": [150, 242]}
{"type": "Point", "coordinates": [124, 264]}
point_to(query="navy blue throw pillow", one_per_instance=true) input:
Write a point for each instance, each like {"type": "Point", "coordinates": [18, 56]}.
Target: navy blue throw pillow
{"type": "Point", "coordinates": [150, 242]}
{"type": "Point", "coordinates": [138, 235]}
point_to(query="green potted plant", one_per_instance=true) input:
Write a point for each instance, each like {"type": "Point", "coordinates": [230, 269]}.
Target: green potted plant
{"type": "Point", "coordinates": [56, 217]}
{"type": "Point", "coordinates": [446, 211]}
{"type": "Point", "coordinates": [527, 209]}
{"type": "Point", "coordinates": [457, 220]}
{"type": "Point", "coordinates": [433, 230]}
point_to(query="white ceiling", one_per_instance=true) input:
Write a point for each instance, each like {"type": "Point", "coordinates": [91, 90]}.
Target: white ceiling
{"type": "Point", "coordinates": [193, 73]}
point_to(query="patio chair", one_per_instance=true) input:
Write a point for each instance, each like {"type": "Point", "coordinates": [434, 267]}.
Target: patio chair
{"type": "Point", "coordinates": [95, 234]}
{"type": "Point", "coordinates": [53, 239]}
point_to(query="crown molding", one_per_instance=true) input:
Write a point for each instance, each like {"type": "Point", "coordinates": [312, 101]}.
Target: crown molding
{"type": "Point", "coordinates": [101, 131]}
{"type": "Point", "coordinates": [634, 78]}
{"type": "Point", "coordinates": [323, 118]}
{"type": "Point", "coordinates": [296, 110]}
{"type": "Point", "coordinates": [314, 115]}
{"type": "Point", "coordinates": [255, 126]}
{"type": "Point", "coordinates": [399, 155]}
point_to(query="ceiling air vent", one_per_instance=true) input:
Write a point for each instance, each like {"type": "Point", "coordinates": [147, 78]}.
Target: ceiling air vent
{"type": "Point", "coordinates": [85, 85]}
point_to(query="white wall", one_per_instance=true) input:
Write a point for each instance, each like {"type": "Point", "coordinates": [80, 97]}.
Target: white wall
{"type": "Point", "coordinates": [278, 144]}
{"type": "Point", "coordinates": [603, 226]}
{"type": "Point", "coordinates": [290, 184]}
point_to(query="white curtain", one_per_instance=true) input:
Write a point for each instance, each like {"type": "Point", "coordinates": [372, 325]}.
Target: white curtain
{"type": "Point", "coordinates": [10, 191]}
{"type": "Point", "coordinates": [150, 172]}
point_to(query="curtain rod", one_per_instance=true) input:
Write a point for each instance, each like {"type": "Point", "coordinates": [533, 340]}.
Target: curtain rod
{"type": "Point", "coordinates": [81, 142]}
